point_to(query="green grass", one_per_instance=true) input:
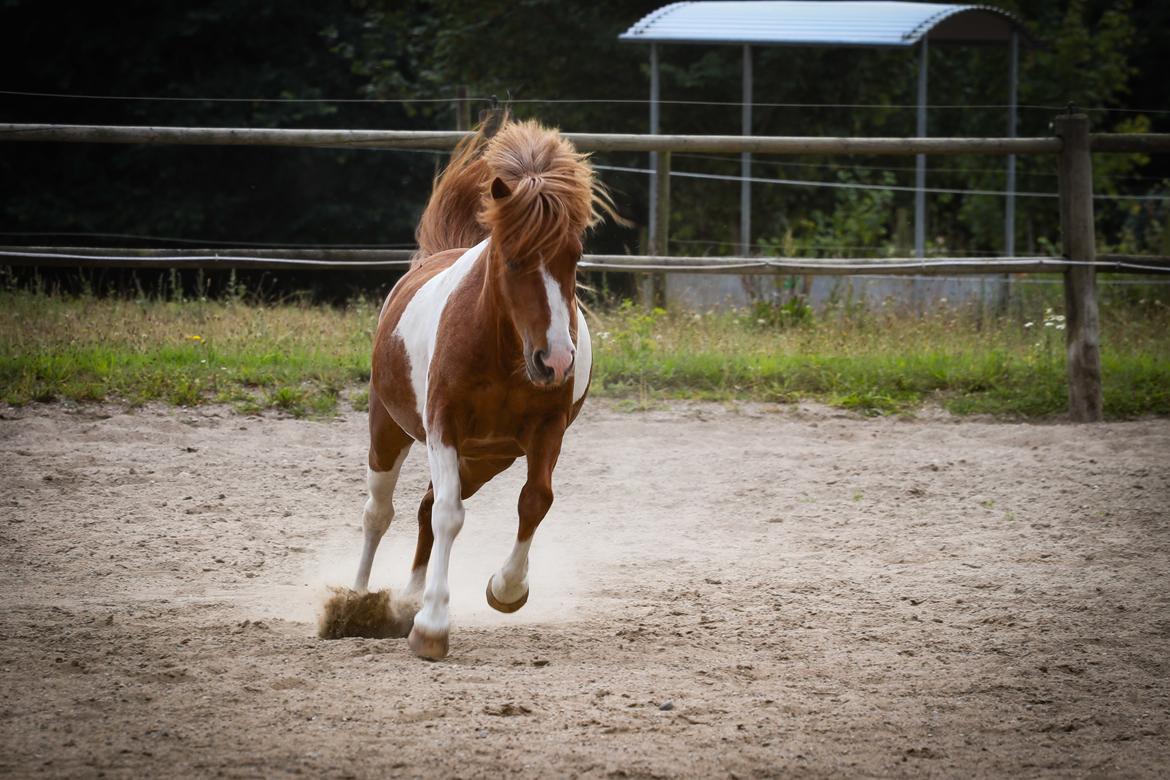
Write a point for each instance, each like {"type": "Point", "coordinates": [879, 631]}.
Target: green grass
{"type": "Point", "coordinates": [306, 360]}
{"type": "Point", "coordinates": [879, 362]}
{"type": "Point", "coordinates": [295, 358]}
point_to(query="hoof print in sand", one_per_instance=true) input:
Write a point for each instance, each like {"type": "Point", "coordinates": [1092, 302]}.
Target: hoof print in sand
{"type": "Point", "coordinates": [374, 615]}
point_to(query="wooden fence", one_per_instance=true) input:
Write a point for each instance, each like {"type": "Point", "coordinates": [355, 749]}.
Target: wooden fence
{"type": "Point", "coordinates": [1072, 142]}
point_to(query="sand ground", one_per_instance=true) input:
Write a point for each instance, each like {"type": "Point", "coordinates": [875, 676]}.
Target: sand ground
{"type": "Point", "coordinates": [716, 592]}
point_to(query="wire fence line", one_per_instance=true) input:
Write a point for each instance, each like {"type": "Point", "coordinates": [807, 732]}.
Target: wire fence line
{"type": "Point", "coordinates": [842, 185]}
{"type": "Point", "coordinates": [769, 247]}
{"type": "Point", "coordinates": [861, 186]}
{"type": "Point", "coordinates": [908, 168]}
{"type": "Point", "coordinates": [1157, 282]}
{"type": "Point", "coordinates": [583, 101]}
{"type": "Point", "coordinates": [373, 245]}
{"type": "Point", "coordinates": [209, 258]}
{"type": "Point", "coordinates": [202, 241]}
{"type": "Point", "coordinates": [878, 250]}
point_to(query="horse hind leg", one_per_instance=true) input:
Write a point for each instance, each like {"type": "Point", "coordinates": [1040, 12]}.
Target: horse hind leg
{"type": "Point", "coordinates": [389, 446]}
{"type": "Point", "coordinates": [422, 550]}
{"type": "Point", "coordinates": [376, 517]}
{"type": "Point", "coordinates": [357, 612]}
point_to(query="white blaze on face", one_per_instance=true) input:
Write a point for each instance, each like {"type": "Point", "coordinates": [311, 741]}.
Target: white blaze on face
{"type": "Point", "coordinates": [419, 326]}
{"type": "Point", "coordinates": [559, 339]}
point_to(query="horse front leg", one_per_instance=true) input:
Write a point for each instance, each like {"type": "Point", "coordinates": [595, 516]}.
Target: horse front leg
{"type": "Point", "coordinates": [507, 589]}
{"type": "Point", "coordinates": [428, 637]}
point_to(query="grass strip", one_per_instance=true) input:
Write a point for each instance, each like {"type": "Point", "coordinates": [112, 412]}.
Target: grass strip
{"type": "Point", "coordinates": [304, 359]}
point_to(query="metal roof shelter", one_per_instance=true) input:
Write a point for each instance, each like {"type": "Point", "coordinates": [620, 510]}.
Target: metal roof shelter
{"type": "Point", "coordinates": [836, 23]}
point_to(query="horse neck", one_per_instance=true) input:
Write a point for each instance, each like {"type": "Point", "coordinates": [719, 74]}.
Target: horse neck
{"type": "Point", "coordinates": [492, 314]}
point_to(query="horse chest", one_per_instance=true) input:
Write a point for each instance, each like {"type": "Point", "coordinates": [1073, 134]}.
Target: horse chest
{"type": "Point", "coordinates": [416, 333]}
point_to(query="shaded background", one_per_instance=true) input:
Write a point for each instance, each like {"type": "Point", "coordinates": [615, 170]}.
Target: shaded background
{"type": "Point", "coordinates": [270, 64]}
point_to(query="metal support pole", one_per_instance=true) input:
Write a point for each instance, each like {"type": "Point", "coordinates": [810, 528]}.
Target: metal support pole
{"type": "Point", "coordinates": [659, 189]}
{"type": "Point", "coordinates": [1082, 337]}
{"type": "Point", "coordinates": [920, 172]}
{"type": "Point", "coordinates": [654, 98]}
{"type": "Point", "coordinates": [1009, 214]}
{"type": "Point", "coordinates": [660, 239]}
{"type": "Point", "coordinates": [745, 186]}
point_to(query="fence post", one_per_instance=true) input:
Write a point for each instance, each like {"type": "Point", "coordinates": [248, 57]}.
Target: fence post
{"type": "Point", "coordinates": [1082, 329]}
{"type": "Point", "coordinates": [462, 109]}
{"type": "Point", "coordinates": [660, 236]}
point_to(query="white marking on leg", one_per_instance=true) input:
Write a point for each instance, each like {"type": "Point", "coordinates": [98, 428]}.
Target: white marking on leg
{"type": "Point", "coordinates": [559, 349]}
{"type": "Point", "coordinates": [378, 513]}
{"type": "Point", "coordinates": [419, 326]}
{"type": "Point", "coordinates": [446, 520]}
{"type": "Point", "coordinates": [510, 583]}
{"type": "Point", "coordinates": [418, 580]}
{"type": "Point", "coordinates": [584, 364]}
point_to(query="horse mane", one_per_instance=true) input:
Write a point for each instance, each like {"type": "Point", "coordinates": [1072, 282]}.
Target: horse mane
{"type": "Point", "coordinates": [554, 194]}
{"type": "Point", "coordinates": [450, 220]}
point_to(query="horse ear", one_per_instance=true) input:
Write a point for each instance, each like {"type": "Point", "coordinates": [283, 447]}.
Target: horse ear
{"type": "Point", "coordinates": [499, 189]}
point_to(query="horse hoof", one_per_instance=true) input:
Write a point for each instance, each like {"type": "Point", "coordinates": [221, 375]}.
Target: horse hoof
{"type": "Point", "coordinates": [500, 606]}
{"type": "Point", "coordinates": [433, 647]}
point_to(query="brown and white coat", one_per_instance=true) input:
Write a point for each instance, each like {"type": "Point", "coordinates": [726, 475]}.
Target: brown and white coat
{"type": "Point", "coordinates": [482, 353]}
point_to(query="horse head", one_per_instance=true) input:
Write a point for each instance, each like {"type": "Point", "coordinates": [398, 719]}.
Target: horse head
{"type": "Point", "coordinates": [539, 203]}
{"type": "Point", "coordinates": [538, 289]}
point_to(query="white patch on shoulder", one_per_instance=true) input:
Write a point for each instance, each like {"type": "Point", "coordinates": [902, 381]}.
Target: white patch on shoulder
{"type": "Point", "coordinates": [419, 326]}
{"type": "Point", "coordinates": [584, 362]}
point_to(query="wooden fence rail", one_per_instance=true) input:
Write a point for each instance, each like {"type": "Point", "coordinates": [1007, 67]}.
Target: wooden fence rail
{"type": "Point", "coordinates": [1072, 143]}
{"type": "Point", "coordinates": [399, 259]}
{"type": "Point", "coordinates": [595, 142]}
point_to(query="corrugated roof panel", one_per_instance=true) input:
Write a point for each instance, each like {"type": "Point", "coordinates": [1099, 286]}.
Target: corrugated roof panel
{"type": "Point", "coordinates": [805, 22]}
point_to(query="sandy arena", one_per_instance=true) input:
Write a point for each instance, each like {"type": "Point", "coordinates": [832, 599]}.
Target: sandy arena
{"type": "Point", "coordinates": [715, 593]}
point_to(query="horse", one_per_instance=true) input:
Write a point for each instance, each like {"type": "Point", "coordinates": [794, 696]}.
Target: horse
{"type": "Point", "coordinates": [482, 353]}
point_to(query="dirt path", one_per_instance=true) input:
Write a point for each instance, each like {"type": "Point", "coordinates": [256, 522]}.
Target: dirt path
{"type": "Point", "coordinates": [714, 593]}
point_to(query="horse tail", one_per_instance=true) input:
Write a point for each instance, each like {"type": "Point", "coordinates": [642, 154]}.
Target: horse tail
{"type": "Point", "coordinates": [451, 218]}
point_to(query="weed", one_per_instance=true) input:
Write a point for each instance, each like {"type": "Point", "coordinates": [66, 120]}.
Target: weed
{"type": "Point", "coordinates": [290, 399]}
{"type": "Point", "coordinates": [360, 400]}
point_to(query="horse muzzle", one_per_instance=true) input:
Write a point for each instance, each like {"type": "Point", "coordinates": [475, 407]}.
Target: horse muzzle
{"type": "Point", "coordinates": [550, 367]}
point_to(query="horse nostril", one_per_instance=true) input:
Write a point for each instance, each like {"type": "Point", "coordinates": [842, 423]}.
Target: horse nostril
{"type": "Point", "coordinates": [539, 357]}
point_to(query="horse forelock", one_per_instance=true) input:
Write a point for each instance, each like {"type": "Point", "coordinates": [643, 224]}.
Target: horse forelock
{"type": "Point", "coordinates": [554, 198]}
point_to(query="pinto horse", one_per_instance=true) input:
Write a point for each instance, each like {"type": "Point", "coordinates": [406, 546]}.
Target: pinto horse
{"type": "Point", "coordinates": [482, 353]}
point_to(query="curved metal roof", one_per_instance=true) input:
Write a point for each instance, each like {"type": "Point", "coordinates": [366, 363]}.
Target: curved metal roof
{"type": "Point", "coordinates": [815, 23]}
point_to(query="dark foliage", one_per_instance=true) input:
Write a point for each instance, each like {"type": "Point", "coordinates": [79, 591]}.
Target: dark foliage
{"type": "Point", "coordinates": [552, 59]}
